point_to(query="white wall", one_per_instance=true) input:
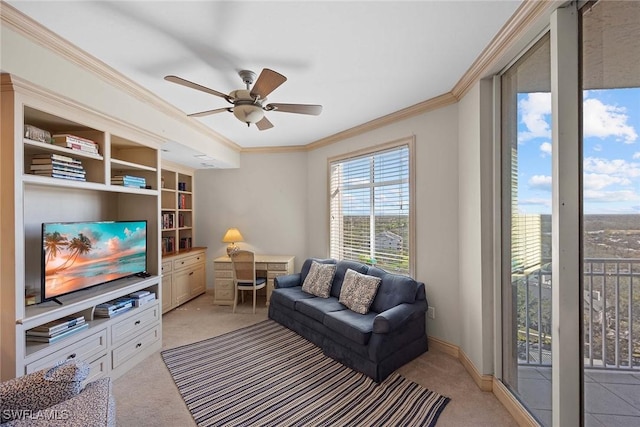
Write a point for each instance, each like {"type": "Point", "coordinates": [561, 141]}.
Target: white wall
{"type": "Point", "coordinates": [436, 136]}
{"type": "Point", "coordinates": [474, 225]}
{"type": "Point", "coordinates": [265, 199]}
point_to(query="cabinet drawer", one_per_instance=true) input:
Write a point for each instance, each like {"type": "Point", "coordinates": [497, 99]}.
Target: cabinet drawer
{"type": "Point", "coordinates": [166, 267]}
{"type": "Point", "coordinates": [85, 349]}
{"type": "Point", "coordinates": [223, 285]}
{"type": "Point", "coordinates": [261, 266]}
{"type": "Point", "coordinates": [135, 346]}
{"type": "Point", "coordinates": [98, 368]}
{"type": "Point", "coordinates": [222, 266]}
{"type": "Point", "coordinates": [280, 266]}
{"type": "Point", "coordinates": [187, 261]}
{"type": "Point", "coordinates": [227, 274]}
{"type": "Point", "coordinates": [127, 328]}
{"type": "Point", "coordinates": [224, 294]}
{"type": "Point", "coordinates": [273, 274]}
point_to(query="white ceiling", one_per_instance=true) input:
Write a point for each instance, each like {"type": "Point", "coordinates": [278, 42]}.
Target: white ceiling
{"type": "Point", "coordinates": [360, 60]}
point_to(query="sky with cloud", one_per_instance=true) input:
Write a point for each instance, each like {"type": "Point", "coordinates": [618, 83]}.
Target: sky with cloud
{"type": "Point", "coordinates": [611, 151]}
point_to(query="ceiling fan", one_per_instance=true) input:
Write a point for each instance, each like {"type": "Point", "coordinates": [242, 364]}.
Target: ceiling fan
{"type": "Point", "coordinates": [249, 104]}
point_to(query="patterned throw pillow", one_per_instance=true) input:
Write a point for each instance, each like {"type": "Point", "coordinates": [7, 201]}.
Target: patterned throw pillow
{"type": "Point", "coordinates": [358, 291]}
{"type": "Point", "coordinates": [318, 281]}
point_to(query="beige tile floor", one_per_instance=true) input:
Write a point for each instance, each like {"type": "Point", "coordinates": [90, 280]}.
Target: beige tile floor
{"type": "Point", "coordinates": [612, 398]}
{"type": "Point", "coordinates": [147, 396]}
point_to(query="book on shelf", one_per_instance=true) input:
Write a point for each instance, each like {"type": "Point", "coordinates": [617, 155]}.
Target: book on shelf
{"type": "Point", "coordinates": [168, 220]}
{"type": "Point", "coordinates": [137, 302]}
{"type": "Point", "coordinates": [115, 307]}
{"type": "Point", "coordinates": [75, 143]}
{"type": "Point", "coordinates": [59, 325]}
{"type": "Point", "coordinates": [168, 245]}
{"type": "Point", "coordinates": [58, 336]}
{"type": "Point", "coordinates": [185, 243]}
{"type": "Point", "coordinates": [61, 174]}
{"type": "Point", "coordinates": [180, 220]}
{"type": "Point", "coordinates": [58, 167]}
{"type": "Point", "coordinates": [129, 181]}
{"type": "Point", "coordinates": [48, 157]}
{"type": "Point", "coordinates": [182, 201]}
{"type": "Point", "coordinates": [139, 294]}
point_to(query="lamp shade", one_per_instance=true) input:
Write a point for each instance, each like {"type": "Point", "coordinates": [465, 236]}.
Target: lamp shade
{"type": "Point", "coordinates": [232, 236]}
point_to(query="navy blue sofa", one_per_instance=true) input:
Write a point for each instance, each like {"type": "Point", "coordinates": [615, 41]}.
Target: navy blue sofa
{"type": "Point", "coordinates": [391, 334]}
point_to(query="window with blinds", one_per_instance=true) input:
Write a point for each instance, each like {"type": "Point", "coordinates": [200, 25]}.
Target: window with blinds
{"type": "Point", "coordinates": [371, 208]}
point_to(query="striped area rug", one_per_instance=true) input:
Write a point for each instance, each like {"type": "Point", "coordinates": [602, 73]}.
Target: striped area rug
{"type": "Point", "coordinates": [267, 375]}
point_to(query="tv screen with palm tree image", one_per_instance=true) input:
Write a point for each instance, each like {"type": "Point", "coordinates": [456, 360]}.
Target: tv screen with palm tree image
{"type": "Point", "coordinates": [79, 255]}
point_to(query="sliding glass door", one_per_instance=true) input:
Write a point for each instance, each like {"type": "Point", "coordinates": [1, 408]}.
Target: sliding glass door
{"type": "Point", "coordinates": [610, 43]}
{"type": "Point", "coordinates": [526, 230]}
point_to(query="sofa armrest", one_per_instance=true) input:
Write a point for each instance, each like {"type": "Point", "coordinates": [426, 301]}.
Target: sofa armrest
{"type": "Point", "coordinates": [94, 406]}
{"type": "Point", "coordinates": [394, 318]}
{"type": "Point", "coordinates": [42, 389]}
{"type": "Point", "coordinates": [287, 281]}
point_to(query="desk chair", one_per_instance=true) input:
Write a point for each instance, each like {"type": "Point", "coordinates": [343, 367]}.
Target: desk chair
{"type": "Point", "coordinates": [244, 276]}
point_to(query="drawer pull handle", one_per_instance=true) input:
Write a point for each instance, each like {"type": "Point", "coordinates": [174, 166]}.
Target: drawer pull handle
{"type": "Point", "coordinates": [137, 322]}
{"type": "Point", "coordinates": [139, 345]}
{"type": "Point", "coordinates": [191, 274]}
{"type": "Point", "coordinates": [71, 356]}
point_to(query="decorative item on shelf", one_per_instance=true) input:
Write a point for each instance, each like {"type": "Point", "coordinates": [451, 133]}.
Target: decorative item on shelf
{"type": "Point", "coordinates": [232, 236]}
{"type": "Point", "coordinates": [36, 134]}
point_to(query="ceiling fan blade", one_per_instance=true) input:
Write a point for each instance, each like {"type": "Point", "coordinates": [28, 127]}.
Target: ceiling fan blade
{"type": "Point", "coordinates": [209, 112]}
{"type": "Point", "coordinates": [187, 83]}
{"type": "Point", "coordinates": [313, 110]}
{"type": "Point", "coordinates": [264, 124]}
{"type": "Point", "coordinates": [267, 82]}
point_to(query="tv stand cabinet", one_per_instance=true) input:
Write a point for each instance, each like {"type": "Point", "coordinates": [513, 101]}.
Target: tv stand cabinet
{"type": "Point", "coordinates": [27, 200]}
{"type": "Point", "coordinates": [111, 346]}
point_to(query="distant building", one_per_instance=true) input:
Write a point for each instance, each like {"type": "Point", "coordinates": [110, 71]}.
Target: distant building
{"type": "Point", "coordinates": [526, 238]}
{"type": "Point", "coordinates": [388, 241]}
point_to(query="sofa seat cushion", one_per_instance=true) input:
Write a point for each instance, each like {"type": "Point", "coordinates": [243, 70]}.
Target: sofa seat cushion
{"type": "Point", "coordinates": [288, 296]}
{"type": "Point", "coordinates": [356, 327]}
{"type": "Point", "coordinates": [316, 308]}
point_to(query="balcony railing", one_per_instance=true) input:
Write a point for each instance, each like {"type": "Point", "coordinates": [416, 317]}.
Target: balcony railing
{"type": "Point", "coordinates": [611, 314]}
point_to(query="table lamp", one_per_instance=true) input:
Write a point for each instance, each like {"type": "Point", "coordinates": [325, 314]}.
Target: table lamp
{"type": "Point", "coordinates": [232, 236]}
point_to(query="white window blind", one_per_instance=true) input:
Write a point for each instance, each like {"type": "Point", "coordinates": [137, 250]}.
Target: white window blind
{"type": "Point", "coordinates": [370, 209]}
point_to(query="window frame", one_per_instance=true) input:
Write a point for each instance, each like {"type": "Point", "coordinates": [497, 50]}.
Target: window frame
{"type": "Point", "coordinates": [409, 142]}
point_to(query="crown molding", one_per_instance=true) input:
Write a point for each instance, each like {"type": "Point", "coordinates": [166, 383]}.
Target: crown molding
{"type": "Point", "coordinates": [422, 107]}
{"type": "Point", "coordinates": [520, 22]}
{"type": "Point", "coordinates": [39, 34]}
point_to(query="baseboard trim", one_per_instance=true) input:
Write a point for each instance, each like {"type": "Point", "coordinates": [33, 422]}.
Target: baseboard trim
{"type": "Point", "coordinates": [483, 381]}
{"type": "Point", "coordinates": [444, 347]}
{"type": "Point", "coordinates": [511, 404]}
{"type": "Point", "coordinates": [486, 382]}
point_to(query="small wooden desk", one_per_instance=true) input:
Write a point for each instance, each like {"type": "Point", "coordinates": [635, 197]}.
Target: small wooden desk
{"type": "Point", "coordinates": [269, 266]}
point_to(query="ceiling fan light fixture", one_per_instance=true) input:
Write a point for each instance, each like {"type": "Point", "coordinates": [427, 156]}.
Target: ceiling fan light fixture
{"type": "Point", "coordinates": [248, 113]}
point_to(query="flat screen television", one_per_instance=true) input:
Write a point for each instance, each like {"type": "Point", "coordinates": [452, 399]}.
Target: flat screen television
{"type": "Point", "coordinates": [79, 255]}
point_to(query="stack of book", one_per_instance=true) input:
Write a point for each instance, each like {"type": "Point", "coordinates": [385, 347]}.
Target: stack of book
{"type": "Point", "coordinates": [129, 181]}
{"type": "Point", "coordinates": [113, 308]}
{"type": "Point", "coordinates": [76, 143]}
{"type": "Point", "coordinates": [57, 166]}
{"type": "Point", "coordinates": [168, 220]}
{"type": "Point", "coordinates": [142, 297]}
{"type": "Point", "coordinates": [168, 245]}
{"type": "Point", "coordinates": [58, 329]}
{"type": "Point", "coordinates": [185, 243]}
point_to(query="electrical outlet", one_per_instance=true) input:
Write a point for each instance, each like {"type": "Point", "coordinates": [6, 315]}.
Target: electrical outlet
{"type": "Point", "coordinates": [431, 312]}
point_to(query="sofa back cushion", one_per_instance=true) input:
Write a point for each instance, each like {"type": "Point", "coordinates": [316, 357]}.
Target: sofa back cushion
{"type": "Point", "coordinates": [307, 265]}
{"type": "Point", "coordinates": [341, 270]}
{"type": "Point", "coordinates": [394, 290]}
